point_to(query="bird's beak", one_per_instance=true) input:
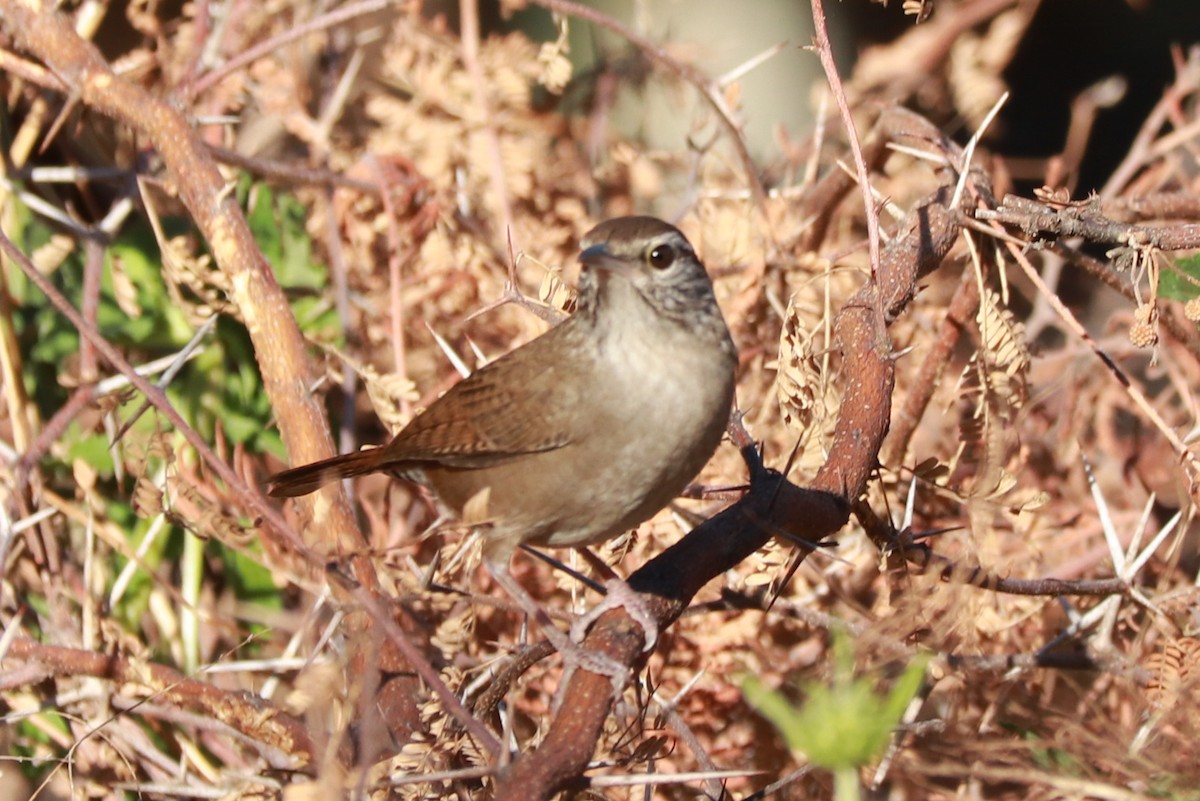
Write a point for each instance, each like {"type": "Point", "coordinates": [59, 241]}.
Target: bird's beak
{"type": "Point", "coordinates": [600, 257]}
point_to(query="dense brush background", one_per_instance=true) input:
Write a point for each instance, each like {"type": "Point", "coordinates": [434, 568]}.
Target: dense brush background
{"type": "Point", "coordinates": [418, 178]}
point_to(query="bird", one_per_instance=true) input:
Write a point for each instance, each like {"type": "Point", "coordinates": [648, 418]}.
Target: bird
{"type": "Point", "coordinates": [584, 432]}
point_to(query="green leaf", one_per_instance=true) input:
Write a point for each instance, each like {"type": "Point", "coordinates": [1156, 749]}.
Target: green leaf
{"type": "Point", "coordinates": [260, 215]}
{"type": "Point", "coordinates": [251, 581]}
{"type": "Point", "coordinates": [843, 724]}
{"type": "Point", "coordinates": [1181, 281]}
{"type": "Point", "coordinates": [93, 450]}
{"type": "Point", "coordinates": [54, 345]}
{"type": "Point", "coordinates": [277, 223]}
{"type": "Point", "coordinates": [134, 602]}
{"type": "Point", "coordinates": [240, 428]}
{"type": "Point", "coordinates": [775, 708]}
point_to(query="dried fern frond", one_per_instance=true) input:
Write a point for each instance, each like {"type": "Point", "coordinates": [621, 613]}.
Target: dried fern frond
{"type": "Point", "coordinates": [797, 374]}
{"type": "Point", "coordinates": [995, 381]}
{"type": "Point", "coordinates": [1175, 675]}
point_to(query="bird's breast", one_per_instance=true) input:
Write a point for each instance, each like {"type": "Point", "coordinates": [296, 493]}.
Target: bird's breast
{"type": "Point", "coordinates": [645, 409]}
{"type": "Point", "coordinates": [661, 408]}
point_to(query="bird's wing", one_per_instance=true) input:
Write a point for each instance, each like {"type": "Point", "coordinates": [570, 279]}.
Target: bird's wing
{"type": "Point", "coordinates": [510, 407]}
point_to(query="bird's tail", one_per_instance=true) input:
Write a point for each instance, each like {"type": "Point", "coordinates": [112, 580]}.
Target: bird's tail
{"type": "Point", "coordinates": [311, 477]}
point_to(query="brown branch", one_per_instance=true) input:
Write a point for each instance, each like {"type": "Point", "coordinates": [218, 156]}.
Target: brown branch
{"type": "Point", "coordinates": [899, 69]}
{"type": "Point", "coordinates": [1188, 458]}
{"type": "Point", "coordinates": [825, 52]}
{"type": "Point", "coordinates": [404, 655]}
{"type": "Point", "coordinates": [1046, 586]}
{"type": "Point", "coordinates": [338, 16]}
{"type": "Point", "coordinates": [254, 502]}
{"type": "Point", "coordinates": [1182, 329]}
{"type": "Point", "coordinates": [895, 124]}
{"type": "Point", "coordinates": [401, 654]}
{"type": "Point", "coordinates": [468, 11]}
{"type": "Point", "coordinates": [292, 173]}
{"type": "Point", "coordinates": [1085, 220]}
{"type": "Point", "coordinates": [820, 202]}
{"type": "Point", "coordinates": [1156, 206]}
{"type": "Point", "coordinates": [863, 418]}
{"type": "Point", "coordinates": [17, 67]}
{"type": "Point", "coordinates": [920, 556]}
{"type": "Point", "coordinates": [1141, 151]}
{"type": "Point", "coordinates": [666, 584]}
{"type": "Point", "coordinates": [1056, 660]}
{"type": "Point", "coordinates": [27, 479]}
{"type": "Point", "coordinates": [1088, 221]}
{"type": "Point", "coordinates": [281, 739]}
{"type": "Point", "coordinates": [959, 314]}
{"type": "Point", "coordinates": [506, 677]}
{"type": "Point", "coordinates": [278, 342]}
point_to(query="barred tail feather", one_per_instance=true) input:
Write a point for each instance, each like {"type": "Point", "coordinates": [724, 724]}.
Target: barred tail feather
{"type": "Point", "coordinates": [311, 477]}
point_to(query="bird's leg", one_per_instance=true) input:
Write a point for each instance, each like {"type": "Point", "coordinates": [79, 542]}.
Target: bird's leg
{"type": "Point", "coordinates": [573, 654]}
{"type": "Point", "coordinates": [618, 594]}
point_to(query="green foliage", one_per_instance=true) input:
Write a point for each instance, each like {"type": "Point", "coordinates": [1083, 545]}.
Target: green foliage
{"type": "Point", "coordinates": [1047, 757]}
{"type": "Point", "coordinates": [159, 326]}
{"type": "Point", "coordinates": [28, 736]}
{"type": "Point", "coordinates": [92, 448]}
{"type": "Point", "coordinates": [50, 343]}
{"type": "Point", "coordinates": [1181, 283]}
{"type": "Point", "coordinates": [278, 225]}
{"type": "Point", "coordinates": [219, 387]}
{"type": "Point", "coordinates": [222, 387]}
{"type": "Point", "coordinates": [218, 390]}
{"type": "Point", "coordinates": [252, 581]}
{"type": "Point", "coordinates": [842, 724]}
{"type": "Point", "coordinates": [134, 602]}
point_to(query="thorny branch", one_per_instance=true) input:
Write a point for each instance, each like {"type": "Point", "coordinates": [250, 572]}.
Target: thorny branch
{"type": "Point", "coordinates": [1085, 220]}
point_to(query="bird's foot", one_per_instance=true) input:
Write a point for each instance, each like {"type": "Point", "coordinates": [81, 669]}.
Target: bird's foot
{"type": "Point", "coordinates": [619, 595]}
{"type": "Point", "coordinates": [573, 653]}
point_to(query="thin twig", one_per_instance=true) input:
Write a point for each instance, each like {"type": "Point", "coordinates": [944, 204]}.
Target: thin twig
{"type": "Point", "coordinates": [825, 52]}
{"type": "Point", "coordinates": [469, 19]}
{"type": "Point", "coordinates": [1189, 459]}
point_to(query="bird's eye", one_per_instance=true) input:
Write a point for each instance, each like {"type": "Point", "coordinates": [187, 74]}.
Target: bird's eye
{"type": "Point", "coordinates": [660, 256]}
